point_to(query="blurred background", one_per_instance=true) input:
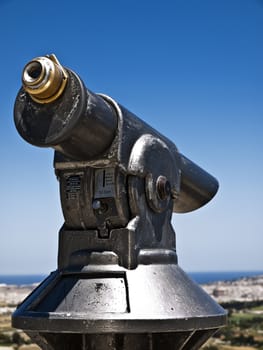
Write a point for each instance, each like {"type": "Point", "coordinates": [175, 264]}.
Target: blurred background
{"type": "Point", "coordinates": [192, 69]}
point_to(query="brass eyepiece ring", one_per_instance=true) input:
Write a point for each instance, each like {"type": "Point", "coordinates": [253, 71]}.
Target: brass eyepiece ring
{"type": "Point", "coordinates": [44, 79]}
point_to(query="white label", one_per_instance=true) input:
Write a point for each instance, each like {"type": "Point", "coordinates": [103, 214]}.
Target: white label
{"type": "Point", "coordinates": [104, 183]}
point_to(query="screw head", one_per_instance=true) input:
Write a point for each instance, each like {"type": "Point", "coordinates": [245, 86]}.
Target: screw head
{"type": "Point", "coordinates": [99, 207]}
{"type": "Point", "coordinates": [96, 204]}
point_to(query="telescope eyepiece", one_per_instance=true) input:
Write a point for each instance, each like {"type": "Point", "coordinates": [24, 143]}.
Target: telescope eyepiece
{"type": "Point", "coordinates": [32, 73]}
{"type": "Point", "coordinates": [44, 79]}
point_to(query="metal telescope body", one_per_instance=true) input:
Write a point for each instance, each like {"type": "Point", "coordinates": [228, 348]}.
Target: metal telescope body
{"type": "Point", "coordinates": [117, 285]}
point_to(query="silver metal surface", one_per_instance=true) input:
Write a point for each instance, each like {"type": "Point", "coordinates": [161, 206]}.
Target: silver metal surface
{"type": "Point", "coordinates": [118, 285]}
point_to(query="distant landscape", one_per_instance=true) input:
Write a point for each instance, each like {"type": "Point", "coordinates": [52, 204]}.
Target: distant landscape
{"type": "Point", "coordinates": [243, 298]}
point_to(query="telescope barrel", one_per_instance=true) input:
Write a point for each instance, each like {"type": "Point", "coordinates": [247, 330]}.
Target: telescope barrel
{"type": "Point", "coordinates": [55, 109]}
{"type": "Point", "coordinates": [197, 187]}
{"type": "Point", "coordinates": [79, 124]}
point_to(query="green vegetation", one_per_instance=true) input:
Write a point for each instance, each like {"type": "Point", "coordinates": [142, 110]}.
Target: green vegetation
{"type": "Point", "coordinates": [244, 330]}
{"type": "Point", "coordinates": [257, 308]}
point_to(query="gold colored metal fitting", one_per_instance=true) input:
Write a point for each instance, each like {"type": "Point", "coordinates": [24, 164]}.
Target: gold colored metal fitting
{"type": "Point", "coordinates": [44, 79]}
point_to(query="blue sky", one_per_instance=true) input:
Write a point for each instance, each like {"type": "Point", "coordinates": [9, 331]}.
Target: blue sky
{"type": "Point", "coordinates": [192, 69]}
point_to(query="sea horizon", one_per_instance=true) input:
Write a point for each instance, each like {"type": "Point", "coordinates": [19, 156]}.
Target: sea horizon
{"type": "Point", "coordinates": [200, 277]}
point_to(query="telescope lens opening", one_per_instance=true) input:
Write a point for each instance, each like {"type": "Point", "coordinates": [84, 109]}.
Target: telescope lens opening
{"type": "Point", "coordinates": [32, 72]}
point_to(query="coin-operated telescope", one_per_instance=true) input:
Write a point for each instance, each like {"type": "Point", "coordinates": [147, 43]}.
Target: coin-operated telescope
{"type": "Point", "coordinates": [118, 284]}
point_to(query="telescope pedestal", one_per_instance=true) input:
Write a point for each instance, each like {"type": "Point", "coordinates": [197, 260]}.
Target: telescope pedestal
{"type": "Point", "coordinates": [107, 307]}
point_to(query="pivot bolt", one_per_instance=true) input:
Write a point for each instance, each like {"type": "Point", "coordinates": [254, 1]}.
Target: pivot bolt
{"type": "Point", "coordinates": [163, 187]}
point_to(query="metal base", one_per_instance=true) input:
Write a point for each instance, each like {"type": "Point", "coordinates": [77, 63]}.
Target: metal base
{"type": "Point", "coordinates": [188, 340]}
{"type": "Point", "coordinates": [108, 307]}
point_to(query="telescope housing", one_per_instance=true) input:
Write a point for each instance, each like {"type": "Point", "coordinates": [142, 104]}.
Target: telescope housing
{"type": "Point", "coordinates": [118, 284]}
